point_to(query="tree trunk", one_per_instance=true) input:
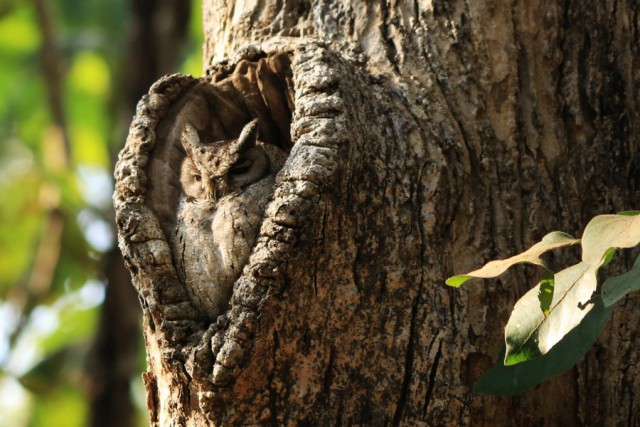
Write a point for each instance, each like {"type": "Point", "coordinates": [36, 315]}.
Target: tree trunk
{"type": "Point", "coordinates": [427, 139]}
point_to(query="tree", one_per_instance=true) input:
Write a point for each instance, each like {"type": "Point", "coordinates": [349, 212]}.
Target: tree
{"type": "Point", "coordinates": [427, 139]}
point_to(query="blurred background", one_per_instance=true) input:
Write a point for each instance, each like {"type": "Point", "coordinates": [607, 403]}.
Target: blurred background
{"type": "Point", "coordinates": [71, 72]}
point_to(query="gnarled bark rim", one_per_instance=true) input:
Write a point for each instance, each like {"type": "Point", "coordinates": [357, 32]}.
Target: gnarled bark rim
{"type": "Point", "coordinates": [310, 167]}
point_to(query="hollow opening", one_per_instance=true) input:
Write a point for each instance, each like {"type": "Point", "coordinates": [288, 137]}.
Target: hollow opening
{"type": "Point", "coordinates": [212, 171]}
{"type": "Point", "coordinates": [218, 108]}
{"type": "Point", "coordinates": [261, 88]}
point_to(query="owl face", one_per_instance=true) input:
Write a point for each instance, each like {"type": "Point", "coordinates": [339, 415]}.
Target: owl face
{"type": "Point", "coordinates": [211, 171]}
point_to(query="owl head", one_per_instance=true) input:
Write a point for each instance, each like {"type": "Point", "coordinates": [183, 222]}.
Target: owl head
{"type": "Point", "coordinates": [212, 170]}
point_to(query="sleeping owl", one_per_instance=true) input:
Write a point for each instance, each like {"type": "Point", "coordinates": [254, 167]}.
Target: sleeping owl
{"type": "Point", "coordinates": [226, 187]}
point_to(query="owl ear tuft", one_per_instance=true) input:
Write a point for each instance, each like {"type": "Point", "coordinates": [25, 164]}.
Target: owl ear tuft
{"type": "Point", "coordinates": [189, 138]}
{"type": "Point", "coordinates": [249, 135]}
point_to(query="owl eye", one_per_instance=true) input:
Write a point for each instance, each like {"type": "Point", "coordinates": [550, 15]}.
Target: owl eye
{"type": "Point", "coordinates": [241, 167]}
{"type": "Point", "coordinates": [197, 178]}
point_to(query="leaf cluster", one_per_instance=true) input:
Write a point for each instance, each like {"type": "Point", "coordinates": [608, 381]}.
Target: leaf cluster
{"type": "Point", "coordinates": [555, 323]}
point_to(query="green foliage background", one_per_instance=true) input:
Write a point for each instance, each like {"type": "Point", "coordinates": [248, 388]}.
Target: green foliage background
{"type": "Point", "coordinates": [48, 316]}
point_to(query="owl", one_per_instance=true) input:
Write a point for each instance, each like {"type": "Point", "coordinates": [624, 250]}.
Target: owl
{"type": "Point", "coordinates": [226, 186]}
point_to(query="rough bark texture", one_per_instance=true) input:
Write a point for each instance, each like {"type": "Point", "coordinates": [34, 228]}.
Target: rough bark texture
{"type": "Point", "coordinates": [427, 139]}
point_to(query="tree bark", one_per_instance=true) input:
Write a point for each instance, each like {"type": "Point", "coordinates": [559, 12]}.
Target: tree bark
{"type": "Point", "coordinates": [427, 139]}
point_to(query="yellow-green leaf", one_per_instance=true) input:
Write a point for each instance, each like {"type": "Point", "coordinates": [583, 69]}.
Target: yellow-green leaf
{"type": "Point", "coordinates": [531, 332]}
{"type": "Point", "coordinates": [514, 379]}
{"type": "Point", "coordinates": [609, 231]}
{"type": "Point", "coordinates": [553, 240]}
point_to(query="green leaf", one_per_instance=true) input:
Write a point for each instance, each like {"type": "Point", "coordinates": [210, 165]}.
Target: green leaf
{"type": "Point", "coordinates": [608, 256]}
{"type": "Point", "coordinates": [48, 374]}
{"type": "Point", "coordinates": [87, 87]}
{"type": "Point", "coordinates": [629, 213]}
{"type": "Point", "coordinates": [66, 406]}
{"type": "Point", "coordinates": [18, 32]}
{"type": "Point", "coordinates": [531, 333]}
{"type": "Point", "coordinates": [192, 64]}
{"type": "Point", "coordinates": [20, 226]}
{"type": "Point", "coordinates": [77, 324]}
{"type": "Point", "coordinates": [89, 74]}
{"type": "Point", "coordinates": [615, 288]}
{"type": "Point", "coordinates": [533, 330]}
{"type": "Point", "coordinates": [504, 380]}
{"type": "Point", "coordinates": [457, 281]}
{"type": "Point", "coordinates": [609, 231]}
{"type": "Point", "coordinates": [553, 240]}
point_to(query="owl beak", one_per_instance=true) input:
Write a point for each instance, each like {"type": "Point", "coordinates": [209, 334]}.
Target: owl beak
{"type": "Point", "coordinates": [218, 187]}
{"type": "Point", "coordinates": [210, 191]}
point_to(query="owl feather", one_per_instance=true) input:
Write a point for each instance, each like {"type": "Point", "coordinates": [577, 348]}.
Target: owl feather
{"type": "Point", "coordinates": [227, 185]}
